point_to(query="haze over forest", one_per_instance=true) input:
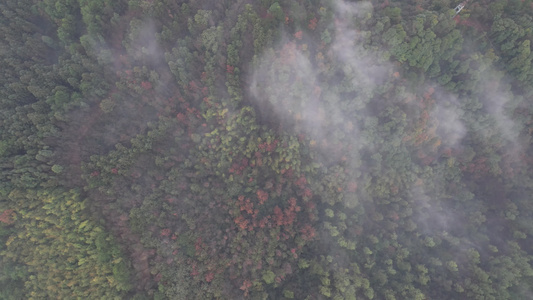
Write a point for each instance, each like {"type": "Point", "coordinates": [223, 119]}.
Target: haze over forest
{"type": "Point", "coordinates": [289, 149]}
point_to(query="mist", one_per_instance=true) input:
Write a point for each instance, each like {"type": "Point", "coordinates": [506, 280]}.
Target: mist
{"type": "Point", "coordinates": [266, 149]}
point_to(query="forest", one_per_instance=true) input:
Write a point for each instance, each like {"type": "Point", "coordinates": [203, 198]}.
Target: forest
{"type": "Point", "coordinates": [268, 149]}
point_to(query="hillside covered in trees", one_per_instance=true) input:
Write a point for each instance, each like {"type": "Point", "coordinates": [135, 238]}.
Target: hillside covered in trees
{"type": "Point", "coordinates": [269, 149]}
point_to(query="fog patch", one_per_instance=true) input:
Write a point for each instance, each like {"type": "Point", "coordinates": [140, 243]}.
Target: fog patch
{"type": "Point", "coordinates": [141, 42]}
{"type": "Point", "coordinates": [430, 215]}
{"type": "Point", "coordinates": [348, 47]}
{"type": "Point", "coordinates": [448, 115]}
{"type": "Point", "coordinates": [291, 79]}
{"type": "Point", "coordinates": [495, 94]}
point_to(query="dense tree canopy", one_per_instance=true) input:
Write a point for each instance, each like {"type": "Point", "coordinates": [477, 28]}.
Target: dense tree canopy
{"type": "Point", "coordinates": [310, 149]}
